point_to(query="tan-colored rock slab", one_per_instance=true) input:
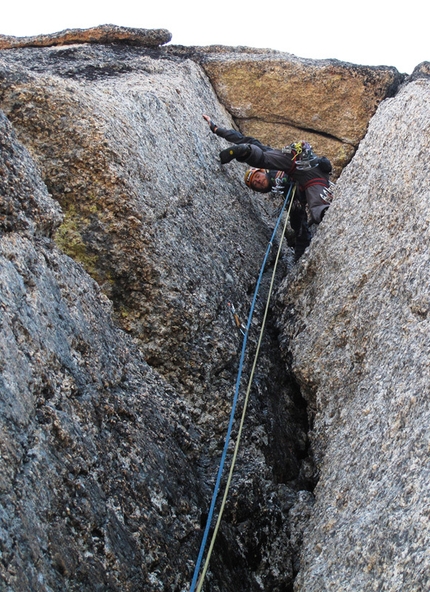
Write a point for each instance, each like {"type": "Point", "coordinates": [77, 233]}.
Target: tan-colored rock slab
{"type": "Point", "coordinates": [325, 96]}
{"type": "Point", "coordinates": [102, 34]}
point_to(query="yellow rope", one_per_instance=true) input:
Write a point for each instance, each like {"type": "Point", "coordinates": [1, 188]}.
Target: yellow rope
{"type": "Point", "coordinates": [242, 419]}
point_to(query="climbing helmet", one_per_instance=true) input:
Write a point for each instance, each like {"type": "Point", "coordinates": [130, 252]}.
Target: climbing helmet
{"type": "Point", "coordinates": [250, 174]}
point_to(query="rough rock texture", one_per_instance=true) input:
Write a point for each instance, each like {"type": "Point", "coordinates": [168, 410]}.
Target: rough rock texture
{"type": "Point", "coordinates": [96, 484]}
{"type": "Point", "coordinates": [170, 237]}
{"type": "Point", "coordinates": [280, 98]}
{"type": "Point", "coordinates": [110, 442]}
{"type": "Point", "coordinates": [24, 202]}
{"type": "Point", "coordinates": [274, 96]}
{"type": "Point", "coordinates": [356, 325]}
{"type": "Point", "coordinates": [421, 71]}
{"type": "Point", "coordinates": [102, 34]}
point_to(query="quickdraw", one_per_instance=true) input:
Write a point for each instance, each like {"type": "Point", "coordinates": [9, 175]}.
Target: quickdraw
{"type": "Point", "coordinates": [239, 324]}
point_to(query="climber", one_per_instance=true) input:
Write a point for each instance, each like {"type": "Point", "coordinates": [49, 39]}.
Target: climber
{"type": "Point", "coordinates": [297, 161]}
{"type": "Point", "coordinates": [278, 182]}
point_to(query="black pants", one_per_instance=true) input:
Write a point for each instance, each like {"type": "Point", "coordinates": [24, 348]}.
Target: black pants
{"type": "Point", "coordinates": [299, 223]}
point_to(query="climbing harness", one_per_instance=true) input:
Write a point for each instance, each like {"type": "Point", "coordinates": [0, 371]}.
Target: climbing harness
{"type": "Point", "coordinates": [289, 198]}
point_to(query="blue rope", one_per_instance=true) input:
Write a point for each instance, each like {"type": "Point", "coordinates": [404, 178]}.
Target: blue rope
{"type": "Point", "coordinates": [235, 399]}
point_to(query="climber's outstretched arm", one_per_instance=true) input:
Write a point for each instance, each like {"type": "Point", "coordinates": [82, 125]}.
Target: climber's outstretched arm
{"type": "Point", "coordinates": [233, 136]}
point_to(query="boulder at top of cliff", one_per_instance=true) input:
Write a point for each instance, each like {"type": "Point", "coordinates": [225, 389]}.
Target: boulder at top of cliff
{"type": "Point", "coordinates": [102, 34]}
{"type": "Point", "coordinates": [283, 88]}
{"type": "Point", "coordinates": [280, 98]}
{"type": "Point", "coordinates": [358, 316]}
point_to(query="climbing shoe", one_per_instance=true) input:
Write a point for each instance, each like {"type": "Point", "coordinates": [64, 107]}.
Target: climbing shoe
{"type": "Point", "coordinates": [240, 152]}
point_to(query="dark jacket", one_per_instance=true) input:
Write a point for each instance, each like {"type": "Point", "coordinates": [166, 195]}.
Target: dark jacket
{"type": "Point", "coordinates": [312, 181]}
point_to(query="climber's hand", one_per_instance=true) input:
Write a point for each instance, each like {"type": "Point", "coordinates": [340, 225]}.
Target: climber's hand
{"type": "Point", "coordinates": [211, 123]}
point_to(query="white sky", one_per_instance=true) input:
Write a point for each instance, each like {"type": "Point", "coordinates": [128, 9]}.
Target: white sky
{"type": "Point", "coordinates": [366, 32]}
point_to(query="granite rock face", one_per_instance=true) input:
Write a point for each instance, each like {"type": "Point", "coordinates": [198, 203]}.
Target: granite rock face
{"type": "Point", "coordinates": [96, 484]}
{"type": "Point", "coordinates": [25, 204]}
{"type": "Point", "coordinates": [123, 147]}
{"type": "Point", "coordinates": [356, 327]}
{"type": "Point", "coordinates": [130, 448]}
{"type": "Point", "coordinates": [123, 241]}
{"type": "Point", "coordinates": [280, 98]}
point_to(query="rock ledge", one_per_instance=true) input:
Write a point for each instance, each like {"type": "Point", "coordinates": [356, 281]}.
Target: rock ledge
{"type": "Point", "coordinates": [102, 34]}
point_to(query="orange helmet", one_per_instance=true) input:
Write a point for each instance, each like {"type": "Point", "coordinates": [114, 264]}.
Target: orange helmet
{"type": "Point", "coordinates": [249, 175]}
